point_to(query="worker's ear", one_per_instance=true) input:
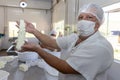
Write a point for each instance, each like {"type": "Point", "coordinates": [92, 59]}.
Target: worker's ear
{"type": "Point", "coordinates": [97, 25]}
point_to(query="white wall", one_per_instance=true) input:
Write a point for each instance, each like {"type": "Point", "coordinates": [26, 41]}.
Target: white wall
{"type": "Point", "coordinates": [58, 17]}
{"type": "Point", "coordinates": [2, 20]}
{"type": "Point", "coordinates": [1, 24]}
{"type": "Point", "coordinates": [58, 12]}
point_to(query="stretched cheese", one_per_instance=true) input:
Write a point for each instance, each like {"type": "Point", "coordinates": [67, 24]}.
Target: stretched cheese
{"type": "Point", "coordinates": [21, 35]}
{"type": "Point", "coordinates": [23, 67]}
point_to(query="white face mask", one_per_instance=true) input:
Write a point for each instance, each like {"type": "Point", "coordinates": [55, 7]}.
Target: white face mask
{"type": "Point", "coordinates": [85, 27]}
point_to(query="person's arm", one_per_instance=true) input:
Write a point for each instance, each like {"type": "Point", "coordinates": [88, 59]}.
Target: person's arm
{"type": "Point", "coordinates": [45, 39]}
{"type": "Point", "coordinates": [47, 47]}
{"type": "Point", "coordinates": [61, 65]}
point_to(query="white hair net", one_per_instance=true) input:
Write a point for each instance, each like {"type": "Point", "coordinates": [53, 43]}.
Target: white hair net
{"type": "Point", "coordinates": [53, 32]}
{"type": "Point", "coordinates": [95, 10]}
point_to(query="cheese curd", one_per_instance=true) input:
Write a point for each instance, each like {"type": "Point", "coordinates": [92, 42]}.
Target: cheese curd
{"type": "Point", "coordinates": [23, 67]}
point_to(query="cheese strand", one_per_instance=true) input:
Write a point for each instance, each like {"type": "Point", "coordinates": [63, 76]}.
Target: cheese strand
{"type": "Point", "coordinates": [21, 35]}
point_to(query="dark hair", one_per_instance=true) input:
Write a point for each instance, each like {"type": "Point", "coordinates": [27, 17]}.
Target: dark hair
{"type": "Point", "coordinates": [52, 34]}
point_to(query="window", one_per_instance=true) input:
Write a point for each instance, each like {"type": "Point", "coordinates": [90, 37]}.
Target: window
{"type": "Point", "coordinates": [111, 28]}
{"type": "Point", "coordinates": [59, 27]}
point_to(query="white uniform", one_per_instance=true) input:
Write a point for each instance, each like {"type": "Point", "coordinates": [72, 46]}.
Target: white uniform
{"type": "Point", "coordinates": [90, 57]}
{"type": "Point", "coordinates": [50, 72]}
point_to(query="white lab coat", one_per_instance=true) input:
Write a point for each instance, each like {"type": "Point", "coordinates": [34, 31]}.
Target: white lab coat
{"type": "Point", "coordinates": [90, 58]}
{"type": "Point", "coordinates": [50, 72]}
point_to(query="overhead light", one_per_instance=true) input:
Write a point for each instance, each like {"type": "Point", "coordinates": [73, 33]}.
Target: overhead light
{"type": "Point", "coordinates": [23, 3]}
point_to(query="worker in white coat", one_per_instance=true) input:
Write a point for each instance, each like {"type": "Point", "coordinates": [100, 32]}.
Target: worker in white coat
{"type": "Point", "coordinates": [84, 56]}
{"type": "Point", "coordinates": [50, 72]}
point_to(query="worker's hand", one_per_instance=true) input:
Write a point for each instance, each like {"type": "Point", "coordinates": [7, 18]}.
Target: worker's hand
{"type": "Point", "coordinates": [29, 26]}
{"type": "Point", "coordinates": [30, 47]}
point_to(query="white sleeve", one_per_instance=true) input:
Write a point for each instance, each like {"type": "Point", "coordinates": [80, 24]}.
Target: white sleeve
{"type": "Point", "coordinates": [90, 60]}
{"type": "Point", "coordinates": [65, 41]}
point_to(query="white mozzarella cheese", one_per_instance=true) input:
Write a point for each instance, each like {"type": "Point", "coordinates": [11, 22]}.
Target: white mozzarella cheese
{"type": "Point", "coordinates": [23, 67]}
{"type": "Point", "coordinates": [21, 35]}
